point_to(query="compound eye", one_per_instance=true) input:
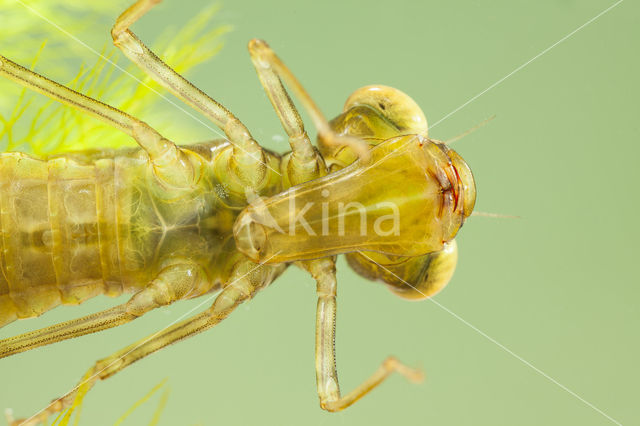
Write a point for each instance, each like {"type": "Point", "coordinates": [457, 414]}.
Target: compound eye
{"type": "Point", "coordinates": [396, 106]}
{"type": "Point", "coordinates": [412, 278]}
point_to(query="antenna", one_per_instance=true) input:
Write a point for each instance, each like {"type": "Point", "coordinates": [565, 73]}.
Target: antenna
{"type": "Point", "coordinates": [468, 132]}
{"type": "Point", "coordinates": [495, 215]}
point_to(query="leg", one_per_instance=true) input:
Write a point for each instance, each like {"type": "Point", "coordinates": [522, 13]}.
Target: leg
{"type": "Point", "coordinates": [326, 373]}
{"type": "Point", "coordinates": [248, 155]}
{"type": "Point", "coordinates": [239, 290]}
{"type": "Point", "coordinates": [303, 163]}
{"type": "Point", "coordinates": [266, 61]}
{"type": "Point", "coordinates": [170, 162]}
{"type": "Point", "coordinates": [175, 282]}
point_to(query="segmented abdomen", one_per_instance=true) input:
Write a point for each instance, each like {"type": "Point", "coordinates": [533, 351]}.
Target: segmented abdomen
{"type": "Point", "coordinates": [58, 240]}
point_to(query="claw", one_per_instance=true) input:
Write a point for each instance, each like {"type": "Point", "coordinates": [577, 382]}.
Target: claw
{"type": "Point", "coordinates": [414, 375]}
{"type": "Point", "coordinates": [11, 421]}
{"type": "Point", "coordinates": [8, 415]}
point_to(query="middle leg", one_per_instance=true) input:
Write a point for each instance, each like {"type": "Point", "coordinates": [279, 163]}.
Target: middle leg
{"type": "Point", "coordinates": [248, 159]}
{"type": "Point", "coordinates": [175, 282]}
{"type": "Point", "coordinates": [249, 279]}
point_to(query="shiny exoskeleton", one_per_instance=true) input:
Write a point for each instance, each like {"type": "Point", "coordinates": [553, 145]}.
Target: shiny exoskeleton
{"type": "Point", "coordinates": [167, 223]}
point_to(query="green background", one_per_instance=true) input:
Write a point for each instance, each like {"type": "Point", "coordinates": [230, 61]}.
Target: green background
{"type": "Point", "coordinates": [555, 291]}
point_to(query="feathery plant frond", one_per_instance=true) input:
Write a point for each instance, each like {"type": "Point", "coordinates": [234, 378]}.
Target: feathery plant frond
{"type": "Point", "coordinates": [31, 123]}
{"type": "Point", "coordinates": [42, 127]}
{"type": "Point", "coordinates": [23, 31]}
{"type": "Point", "coordinates": [73, 412]}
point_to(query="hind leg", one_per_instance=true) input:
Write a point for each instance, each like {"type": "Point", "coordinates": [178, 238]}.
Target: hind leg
{"type": "Point", "coordinates": [245, 286]}
{"type": "Point", "coordinates": [175, 282]}
{"type": "Point", "coordinates": [170, 163]}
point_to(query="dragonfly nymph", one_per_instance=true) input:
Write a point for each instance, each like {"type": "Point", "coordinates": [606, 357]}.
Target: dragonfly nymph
{"type": "Point", "coordinates": [166, 222]}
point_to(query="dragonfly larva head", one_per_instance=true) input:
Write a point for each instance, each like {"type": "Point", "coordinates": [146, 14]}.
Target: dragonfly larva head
{"type": "Point", "coordinates": [394, 217]}
{"type": "Point", "coordinates": [409, 199]}
{"type": "Point", "coordinates": [375, 114]}
{"type": "Point", "coordinates": [413, 278]}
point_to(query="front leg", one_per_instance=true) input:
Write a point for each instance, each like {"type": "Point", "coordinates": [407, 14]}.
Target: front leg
{"type": "Point", "coordinates": [323, 271]}
{"type": "Point", "coordinates": [271, 71]}
{"type": "Point", "coordinates": [303, 163]}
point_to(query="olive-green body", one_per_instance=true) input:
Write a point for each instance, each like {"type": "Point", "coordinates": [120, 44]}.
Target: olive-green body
{"type": "Point", "coordinates": [170, 223]}
{"type": "Point", "coordinates": [82, 225]}
{"type": "Point", "coordinates": [91, 223]}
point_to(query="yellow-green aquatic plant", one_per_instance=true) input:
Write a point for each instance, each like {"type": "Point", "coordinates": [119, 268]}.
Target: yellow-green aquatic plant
{"type": "Point", "coordinates": [167, 222]}
{"type": "Point", "coordinates": [31, 123]}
